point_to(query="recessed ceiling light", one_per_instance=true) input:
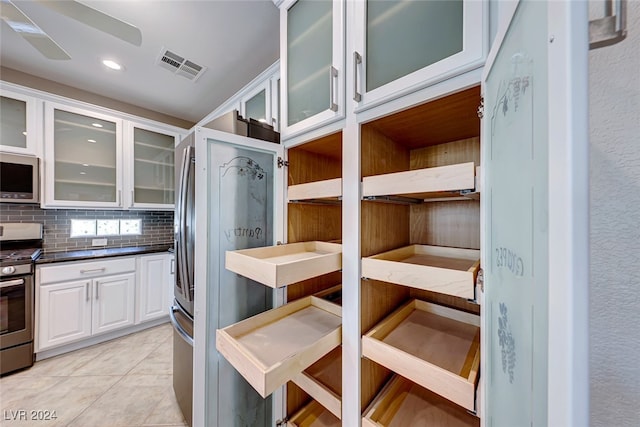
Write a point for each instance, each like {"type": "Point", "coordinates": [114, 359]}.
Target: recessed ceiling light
{"type": "Point", "coordinates": [83, 173]}
{"type": "Point", "coordinates": [91, 140]}
{"type": "Point", "coordinates": [24, 133]}
{"type": "Point", "coordinates": [85, 164]}
{"type": "Point", "coordinates": [98, 125]}
{"type": "Point", "coordinates": [109, 63]}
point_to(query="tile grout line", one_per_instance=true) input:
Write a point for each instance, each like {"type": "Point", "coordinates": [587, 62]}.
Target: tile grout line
{"type": "Point", "coordinates": [98, 397]}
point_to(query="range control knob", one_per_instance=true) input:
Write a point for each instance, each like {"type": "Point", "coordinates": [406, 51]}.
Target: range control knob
{"type": "Point", "coordinates": [8, 270]}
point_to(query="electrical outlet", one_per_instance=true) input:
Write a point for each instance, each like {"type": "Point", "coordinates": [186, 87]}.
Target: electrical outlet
{"type": "Point", "coordinates": [98, 242]}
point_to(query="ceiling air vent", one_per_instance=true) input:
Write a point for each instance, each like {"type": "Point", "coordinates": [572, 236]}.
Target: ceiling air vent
{"type": "Point", "coordinates": [179, 65]}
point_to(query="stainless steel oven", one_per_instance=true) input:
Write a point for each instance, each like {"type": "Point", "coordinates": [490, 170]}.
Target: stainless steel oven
{"type": "Point", "coordinates": [21, 245]}
{"type": "Point", "coordinates": [16, 318]}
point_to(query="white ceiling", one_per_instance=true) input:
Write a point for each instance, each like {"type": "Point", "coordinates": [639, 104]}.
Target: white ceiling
{"type": "Point", "coordinates": [234, 39]}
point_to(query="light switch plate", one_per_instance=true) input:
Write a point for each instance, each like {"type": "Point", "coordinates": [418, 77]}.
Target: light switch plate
{"type": "Point", "coordinates": [98, 242]}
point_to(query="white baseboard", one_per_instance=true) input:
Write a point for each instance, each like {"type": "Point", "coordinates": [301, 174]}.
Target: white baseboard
{"type": "Point", "coordinates": [99, 339]}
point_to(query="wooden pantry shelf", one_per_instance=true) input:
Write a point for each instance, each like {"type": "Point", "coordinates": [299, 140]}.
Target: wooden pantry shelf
{"type": "Point", "coordinates": [404, 403]}
{"type": "Point", "coordinates": [271, 348]}
{"type": "Point", "coordinates": [282, 265]}
{"type": "Point", "coordinates": [313, 415]}
{"type": "Point", "coordinates": [450, 271]}
{"type": "Point", "coordinates": [435, 182]}
{"type": "Point", "coordinates": [434, 346]}
{"type": "Point", "coordinates": [330, 189]}
{"type": "Point", "coordinates": [323, 381]}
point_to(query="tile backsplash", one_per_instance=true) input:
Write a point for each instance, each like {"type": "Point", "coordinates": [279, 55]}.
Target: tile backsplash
{"type": "Point", "coordinates": [157, 226]}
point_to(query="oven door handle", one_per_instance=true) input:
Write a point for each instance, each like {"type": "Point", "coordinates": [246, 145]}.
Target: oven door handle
{"type": "Point", "coordinates": [10, 283]}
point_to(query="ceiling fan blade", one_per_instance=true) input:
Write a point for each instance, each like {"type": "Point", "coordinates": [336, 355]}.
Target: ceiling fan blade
{"type": "Point", "coordinates": [96, 19]}
{"type": "Point", "coordinates": [21, 24]}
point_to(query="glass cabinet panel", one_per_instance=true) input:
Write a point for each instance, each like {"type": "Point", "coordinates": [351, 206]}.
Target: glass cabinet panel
{"type": "Point", "coordinates": [256, 107]}
{"type": "Point", "coordinates": [13, 122]}
{"type": "Point", "coordinates": [403, 37]}
{"type": "Point", "coordinates": [309, 59]}
{"type": "Point", "coordinates": [85, 158]}
{"type": "Point", "coordinates": [153, 180]}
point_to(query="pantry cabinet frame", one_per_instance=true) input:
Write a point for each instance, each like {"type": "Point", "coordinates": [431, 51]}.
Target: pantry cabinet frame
{"type": "Point", "coordinates": [201, 336]}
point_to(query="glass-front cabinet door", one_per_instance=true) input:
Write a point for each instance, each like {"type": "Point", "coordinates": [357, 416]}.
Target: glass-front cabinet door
{"type": "Point", "coordinates": [535, 201]}
{"type": "Point", "coordinates": [255, 107]}
{"type": "Point", "coordinates": [151, 171]}
{"type": "Point", "coordinates": [18, 124]}
{"type": "Point", "coordinates": [83, 152]}
{"type": "Point", "coordinates": [403, 46]}
{"type": "Point", "coordinates": [312, 64]}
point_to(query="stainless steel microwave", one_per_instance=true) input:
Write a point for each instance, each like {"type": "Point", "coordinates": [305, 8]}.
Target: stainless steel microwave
{"type": "Point", "coordinates": [19, 179]}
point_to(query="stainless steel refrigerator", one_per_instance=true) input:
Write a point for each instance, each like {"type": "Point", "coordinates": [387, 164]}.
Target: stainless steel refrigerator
{"type": "Point", "coordinates": [181, 313]}
{"type": "Point", "coordinates": [226, 200]}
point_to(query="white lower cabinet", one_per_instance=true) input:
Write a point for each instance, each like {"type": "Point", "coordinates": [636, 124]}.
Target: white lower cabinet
{"type": "Point", "coordinates": [65, 313]}
{"type": "Point", "coordinates": [77, 300]}
{"type": "Point", "coordinates": [155, 285]}
{"type": "Point", "coordinates": [113, 305]}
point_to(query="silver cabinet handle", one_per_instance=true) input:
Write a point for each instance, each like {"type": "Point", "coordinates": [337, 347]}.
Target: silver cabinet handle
{"type": "Point", "coordinates": [10, 283]}
{"type": "Point", "coordinates": [173, 265]}
{"type": "Point", "coordinates": [87, 290]}
{"type": "Point", "coordinates": [333, 78]}
{"type": "Point", "coordinates": [97, 290]}
{"type": "Point", "coordinates": [133, 197]}
{"type": "Point", "coordinates": [357, 60]}
{"type": "Point", "coordinates": [119, 198]}
{"type": "Point", "coordinates": [93, 270]}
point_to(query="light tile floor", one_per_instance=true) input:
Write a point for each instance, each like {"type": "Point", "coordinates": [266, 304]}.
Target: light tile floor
{"type": "Point", "coordinates": [123, 382]}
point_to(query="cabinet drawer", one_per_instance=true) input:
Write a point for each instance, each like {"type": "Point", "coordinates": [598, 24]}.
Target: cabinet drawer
{"type": "Point", "coordinates": [313, 415]}
{"type": "Point", "coordinates": [271, 348]}
{"type": "Point", "coordinates": [282, 265]}
{"type": "Point", "coordinates": [323, 381]}
{"type": "Point", "coordinates": [82, 270]}
{"type": "Point", "coordinates": [450, 271]}
{"type": "Point", "coordinates": [434, 346]}
{"type": "Point", "coordinates": [403, 403]}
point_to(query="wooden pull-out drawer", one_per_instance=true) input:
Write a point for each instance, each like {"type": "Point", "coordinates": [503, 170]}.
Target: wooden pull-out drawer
{"type": "Point", "coordinates": [82, 270]}
{"type": "Point", "coordinates": [404, 403]}
{"type": "Point", "coordinates": [323, 381]}
{"type": "Point", "coordinates": [330, 189]}
{"type": "Point", "coordinates": [434, 346]}
{"type": "Point", "coordinates": [450, 271]}
{"type": "Point", "coordinates": [271, 348]}
{"type": "Point", "coordinates": [282, 265]}
{"type": "Point", "coordinates": [313, 415]}
{"type": "Point", "coordinates": [439, 181]}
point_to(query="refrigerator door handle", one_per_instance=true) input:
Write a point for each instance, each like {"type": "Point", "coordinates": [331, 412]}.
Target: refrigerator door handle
{"type": "Point", "coordinates": [179, 329]}
{"type": "Point", "coordinates": [181, 245]}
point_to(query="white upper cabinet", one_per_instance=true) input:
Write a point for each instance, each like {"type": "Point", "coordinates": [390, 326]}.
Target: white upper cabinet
{"type": "Point", "coordinates": [150, 173]}
{"type": "Point", "coordinates": [403, 46]}
{"type": "Point", "coordinates": [83, 158]}
{"type": "Point", "coordinates": [19, 125]}
{"type": "Point", "coordinates": [255, 105]}
{"type": "Point", "coordinates": [312, 36]}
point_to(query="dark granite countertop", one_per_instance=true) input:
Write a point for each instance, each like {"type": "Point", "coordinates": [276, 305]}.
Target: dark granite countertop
{"type": "Point", "coordinates": [89, 254]}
